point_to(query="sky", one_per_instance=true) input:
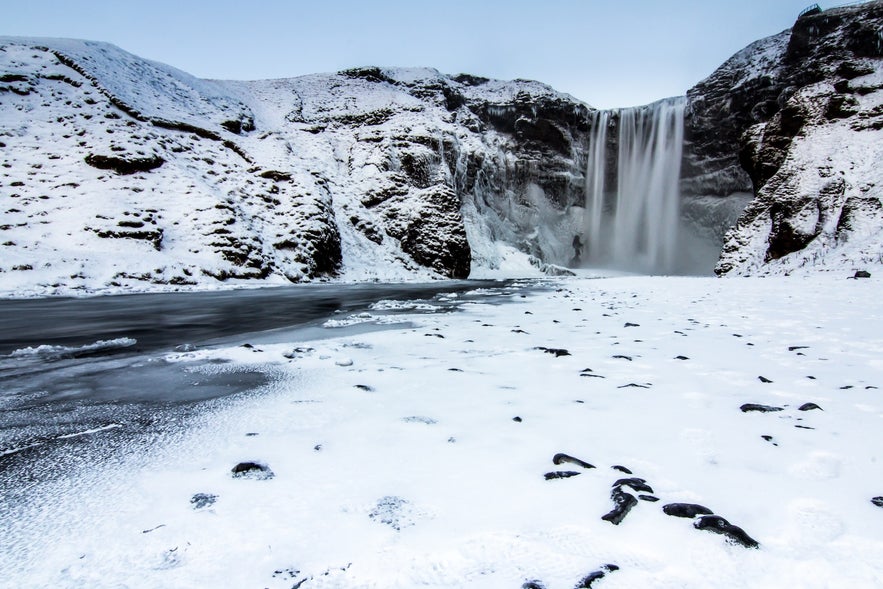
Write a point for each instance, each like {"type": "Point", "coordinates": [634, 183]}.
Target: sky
{"type": "Point", "coordinates": [608, 53]}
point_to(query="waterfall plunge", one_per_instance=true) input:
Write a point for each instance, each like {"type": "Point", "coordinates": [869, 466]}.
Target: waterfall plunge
{"type": "Point", "coordinates": [634, 225]}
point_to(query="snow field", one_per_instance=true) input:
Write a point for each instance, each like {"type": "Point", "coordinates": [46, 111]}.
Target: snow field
{"type": "Point", "coordinates": [398, 462]}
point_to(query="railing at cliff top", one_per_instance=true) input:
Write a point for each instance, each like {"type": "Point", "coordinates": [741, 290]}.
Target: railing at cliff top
{"type": "Point", "coordinates": [814, 9]}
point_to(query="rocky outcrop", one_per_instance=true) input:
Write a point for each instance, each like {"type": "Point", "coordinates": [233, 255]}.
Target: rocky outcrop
{"type": "Point", "coordinates": [795, 118]}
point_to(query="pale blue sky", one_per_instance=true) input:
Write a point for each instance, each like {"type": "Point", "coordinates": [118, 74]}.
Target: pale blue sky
{"type": "Point", "coordinates": [607, 53]}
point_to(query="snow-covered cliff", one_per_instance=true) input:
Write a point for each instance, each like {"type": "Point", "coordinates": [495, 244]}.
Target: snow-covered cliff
{"type": "Point", "coordinates": [796, 118]}
{"type": "Point", "coordinates": [119, 173]}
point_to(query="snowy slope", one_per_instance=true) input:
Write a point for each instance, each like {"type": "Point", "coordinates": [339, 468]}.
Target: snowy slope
{"type": "Point", "coordinates": [398, 460]}
{"type": "Point", "coordinates": [124, 174]}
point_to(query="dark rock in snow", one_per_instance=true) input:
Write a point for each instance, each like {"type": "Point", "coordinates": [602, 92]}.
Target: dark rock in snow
{"type": "Point", "coordinates": [633, 385]}
{"type": "Point", "coordinates": [681, 358]}
{"type": "Point", "coordinates": [534, 584]}
{"type": "Point", "coordinates": [419, 419]}
{"type": "Point", "coordinates": [718, 525]}
{"type": "Point", "coordinates": [809, 407]}
{"type": "Point", "coordinates": [794, 348]}
{"type": "Point", "coordinates": [392, 511]}
{"type": "Point", "coordinates": [748, 407]}
{"type": "Point", "coordinates": [253, 470]}
{"type": "Point", "coordinates": [878, 501]}
{"type": "Point", "coordinates": [689, 510]}
{"type": "Point", "coordinates": [560, 474]}
{"type": "Point", "coordinates": [364, 387]}
{"type": "Point", "coordinates": [517, 419]}
{"type": "Point", "coordinates": [622, 504]}
{"type": "Point", "coordinates": [586, 582]}
{"type": "Point", "coordinates": [203, 500]}
{"type": "Point", "coordinates": [862, 274]}
{"type": "Point", "coordinates": [636, 484]}
{"type": "Point", "coordinates": [764, 379]}
{"type": "Point", "coordinates": [124, 166]}
{"type": "Point", "coordinates": [631, 324]}
{"type": "Point", "coordinates": [621, 357]}
{"type": "Point", "coordinates": [769, 439]}
{"type": "Point", "coordinates": [649, 498]}
{"type": "Point", "coordinates": [557, 352]}
{"type": "Point", "coordinates": [621, 468]}
{"type": "Point", "coordinates": [562, 458]}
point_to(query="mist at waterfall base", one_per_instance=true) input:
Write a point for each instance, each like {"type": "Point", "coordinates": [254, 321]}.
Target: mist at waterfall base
{"type": "Point", "coordinates": [631, 218]}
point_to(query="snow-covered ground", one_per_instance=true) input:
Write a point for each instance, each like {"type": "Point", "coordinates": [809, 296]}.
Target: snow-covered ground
{"type": "Point", "coordinates": [416, 456]}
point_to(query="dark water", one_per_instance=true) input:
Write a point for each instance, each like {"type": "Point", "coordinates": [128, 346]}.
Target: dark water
{"type": "Point", "coordinates": [65, 397]}
{"type": "Point", "coordinates": [164, 320]}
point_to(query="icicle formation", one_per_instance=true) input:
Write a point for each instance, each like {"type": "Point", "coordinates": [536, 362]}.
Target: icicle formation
{"type": "Point", "coordinates": [636, 227]}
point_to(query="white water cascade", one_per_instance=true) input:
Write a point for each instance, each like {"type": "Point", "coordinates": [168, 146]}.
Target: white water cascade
{"type": "Point", "coordinates": [634, 224]}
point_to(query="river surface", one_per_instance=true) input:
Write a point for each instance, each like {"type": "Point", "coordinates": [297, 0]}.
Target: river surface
{"type": "Point", "coordinates": [82, 380]}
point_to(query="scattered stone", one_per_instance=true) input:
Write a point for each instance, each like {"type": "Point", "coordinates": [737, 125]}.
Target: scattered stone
{"type": "Point", "coordinates": [681, 358]}
{"type": "Point", "coordinates": [247, 346]}
{"type": "Point", "coordinates": [392, 511]}
{"type": "Point", "coordinates": [809, 407]}
{"type": "Point", "coordinates": [292, 354]}
{"type": "Point", "coordinates": [718, 525]}
{"type": "Point", "coordinates": [621, 468]}
{"type": "Point", "coordinates": [846, 387]}
{"type": "Point", "coordinates": [518, 331]}
{"type": "Point", "coordinates": [622, 504]}
{"type": "Point", "coordinates": [251, 434]}
{"type": "Point", "coordinates": [621, 357]}
{"type": "Point", "coordinates": [636, 484]}
{"type": "Point", "coordinates": [364, 387]}
{"type": "Point", "coordinates": [557, 352]}
{"type": "Point", "coordinates": [560, 474]}
{"type": "Point", "coordinates": [252, 470]}
{"type": "Point", "coordinates": [759, 408]}
{"type": "Point", "coordinates": [203, 500]}
{"type": "Point", "coordinates": [562, 458]}
{"type": "Point", "coordinates": [689, 510]}
{"type": "Point", "coordinates": [438, 335]}
{"type": "Point", "coordinates": [517, 419]}
{"type": "Point", "coordinates": [804, 427]}
{"type": "Point", "coordinates": [862, 274]}
{"type": "Point", "coordinates": [769, 439]}
{"type": "Point", "coordinates": [631, 325]}
{"type": "Point", "coordinates": [795, 348]}
{"type": "Point", "coordinates": [586, 582]}
{"type": "Point", "coordinates": [878, 501]}
{"type": "Point", "coordinates": [419, 419]}
{"type": "Point", "coordinates": [764, 379]}
{"type": "Point", "coordinates": [650, 498]}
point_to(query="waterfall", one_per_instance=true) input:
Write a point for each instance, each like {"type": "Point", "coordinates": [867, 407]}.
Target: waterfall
{"type": "Point", "coordinates": [634, 224]}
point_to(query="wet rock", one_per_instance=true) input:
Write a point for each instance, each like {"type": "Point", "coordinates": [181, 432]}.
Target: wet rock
{"type": "Point", "coordinates": [636, 484]}
{"type": "Point", "coordinates": [587, 581]}
{"type": "Point", "coordinates": [560, 474]}
{"type": "Point", "coordinates": [749, 407]}
{"type": "Point", "coordinates": [252, 470]}
{"type": "Point", "coordinates": [562, 458]}
{"type": "Point", "coordinates": [809, 407]}
{"type": "Point", "coordinates": [203, 500]}
{"type": "Point", "coordinates": [689, 510]}
{"type": "Point", "coordinates": [718, 525]}
{"type": "Point", "coordinates": [622, 504]}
